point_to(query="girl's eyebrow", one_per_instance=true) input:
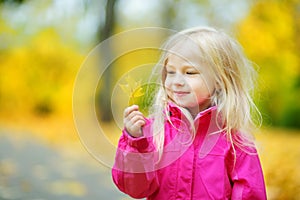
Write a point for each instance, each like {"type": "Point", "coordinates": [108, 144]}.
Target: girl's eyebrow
{"type": "Point", "coordinates": [170, 66]}
{"type": "Point", "coordinates": [184, 67]}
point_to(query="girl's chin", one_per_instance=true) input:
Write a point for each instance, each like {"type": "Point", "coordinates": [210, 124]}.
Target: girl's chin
{"type": "Point", "coordinates": [186, 105]}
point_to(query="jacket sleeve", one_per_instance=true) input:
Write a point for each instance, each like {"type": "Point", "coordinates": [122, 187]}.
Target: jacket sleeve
{"type": "Point", "coordinates": [134, 168]}
{"type": "Point", "coordinates": [247, 177]}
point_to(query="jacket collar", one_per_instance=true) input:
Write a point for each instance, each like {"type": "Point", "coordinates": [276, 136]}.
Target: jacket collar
{"type": "Point", "coordinates": [174, 111]}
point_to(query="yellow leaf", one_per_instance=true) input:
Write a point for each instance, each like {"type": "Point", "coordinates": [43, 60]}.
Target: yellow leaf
{"type": "Point", "coordinates": [132, 87]}
{"type": "Point", "coordinates": [138, 93]}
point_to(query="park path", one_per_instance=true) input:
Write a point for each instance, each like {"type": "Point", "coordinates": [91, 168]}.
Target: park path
{"type": "Point", "coordinates": [32, 170]}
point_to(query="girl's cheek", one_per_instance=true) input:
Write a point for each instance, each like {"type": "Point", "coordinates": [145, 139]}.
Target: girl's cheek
{"type": "Point", "coordinates": [167, 82]}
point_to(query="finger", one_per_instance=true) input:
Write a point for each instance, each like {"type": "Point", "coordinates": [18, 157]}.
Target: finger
{"type": "Point", "coordinates": [138, 126]}
{"type": "Point", "coordinates": [131, 115]}
{"type": "Point", "coordinates": [134, 113]}
{"type": "Point", "coordinates": [129, 109]}
{"type": "Point", "coordinates": [135, 123]}
{"type": "Point", "coordinates": [136, 129]}
{"type": "Point", "coordinates": [140, 123]}
{"type": "Point", "coordinates": [131, 121]}
{"type": "Point", "coordinates": [138, 120]}
{"type": "Point", "coordinates": [134, 120]}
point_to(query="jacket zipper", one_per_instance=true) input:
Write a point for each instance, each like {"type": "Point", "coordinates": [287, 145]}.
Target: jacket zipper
{"type": "Point", "coordinates": [195, 145]}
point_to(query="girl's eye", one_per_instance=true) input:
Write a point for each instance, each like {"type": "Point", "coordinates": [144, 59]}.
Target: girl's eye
{"type": "Point", "coordinates": [192, 72]}
{"type": "Point", "coordinates": [170, 72]}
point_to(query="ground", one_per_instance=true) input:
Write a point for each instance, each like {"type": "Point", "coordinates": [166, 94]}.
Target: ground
{"type": "Point", "coordinates": [32, 168]}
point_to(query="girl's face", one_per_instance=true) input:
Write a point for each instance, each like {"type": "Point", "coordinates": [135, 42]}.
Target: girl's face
{"type": "Point", "coordinates": [188, 82]}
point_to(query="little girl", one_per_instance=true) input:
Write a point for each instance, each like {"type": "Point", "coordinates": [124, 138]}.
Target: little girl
{"type": "Point", "coordinates": [197, 142]}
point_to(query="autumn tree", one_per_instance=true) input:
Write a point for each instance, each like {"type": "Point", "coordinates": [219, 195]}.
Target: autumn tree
{"type": "Point", "coordinates": [105, 32]}
{"type": "Point", "coordinates": [270, 35]}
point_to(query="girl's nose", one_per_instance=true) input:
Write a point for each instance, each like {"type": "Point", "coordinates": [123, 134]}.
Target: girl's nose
{"type": "Point", "coordinates": [179, 80]}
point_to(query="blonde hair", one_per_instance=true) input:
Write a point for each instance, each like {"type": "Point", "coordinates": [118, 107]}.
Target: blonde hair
{"type": "Point", "coordinates": [234, 77]}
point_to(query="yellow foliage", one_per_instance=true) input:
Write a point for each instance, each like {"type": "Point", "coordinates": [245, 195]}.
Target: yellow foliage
{"type": "Point", "coordinates": [270, 37]}
{"type": "Point", "coordinates": [137, 58]}
{"type": "Point", "coordinates": [279, 151]}
{"type": "Point", "coordinates": [269, 26]}
{"type": "Point", "coordinates": [38, 76]}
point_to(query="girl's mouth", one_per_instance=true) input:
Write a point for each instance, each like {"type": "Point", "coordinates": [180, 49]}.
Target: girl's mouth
{"type": "Point", "coordinates": [180, 93]}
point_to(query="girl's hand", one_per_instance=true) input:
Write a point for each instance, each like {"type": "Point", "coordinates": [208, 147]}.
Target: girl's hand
{"type": "Point", "coordinates": [134, 121]}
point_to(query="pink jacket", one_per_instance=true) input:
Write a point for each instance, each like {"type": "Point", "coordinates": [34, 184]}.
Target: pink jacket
{"type": "Point", "coordinates": [202, 169]}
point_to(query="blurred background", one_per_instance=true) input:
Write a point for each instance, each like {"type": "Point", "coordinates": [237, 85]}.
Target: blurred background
{"type": "Point", "coordinates": [44, 43]}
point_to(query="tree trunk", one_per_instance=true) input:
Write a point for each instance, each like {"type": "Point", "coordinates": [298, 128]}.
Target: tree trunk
{"type": "Point", "coordinates": [105, 32]}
